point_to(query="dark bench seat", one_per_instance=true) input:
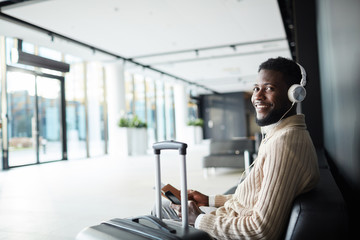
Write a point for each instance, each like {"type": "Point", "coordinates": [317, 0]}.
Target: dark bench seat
{"type": "Point", "coordinates": [228, 153]}
{"type": "Point", "coordinates": [320, 213]}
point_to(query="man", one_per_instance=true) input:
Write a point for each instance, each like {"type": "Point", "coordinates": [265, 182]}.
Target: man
{"type": "Point", "coordinates": [285, 167]}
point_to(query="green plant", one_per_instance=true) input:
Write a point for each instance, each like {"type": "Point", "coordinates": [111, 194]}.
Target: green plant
{"type": "Point", "coordinates": [132, 122]}
{"type": "Point", "coordinates": [124, 122]}
{"type": "Point", "coordinates": [196, 122]}
{"type": "Point", "coordinates": [137, 123]}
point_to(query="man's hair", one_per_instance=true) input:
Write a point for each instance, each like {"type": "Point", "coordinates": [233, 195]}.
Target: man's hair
{"type": "Point", "coordinates": [289, 68]}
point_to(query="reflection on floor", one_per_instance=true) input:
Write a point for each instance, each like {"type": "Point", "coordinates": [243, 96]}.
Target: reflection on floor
{"type": "Point", "coordinates": [57, 200]}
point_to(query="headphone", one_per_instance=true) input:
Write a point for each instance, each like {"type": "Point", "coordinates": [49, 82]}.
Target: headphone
{"type": "Point", "coordinates": [297, 92]}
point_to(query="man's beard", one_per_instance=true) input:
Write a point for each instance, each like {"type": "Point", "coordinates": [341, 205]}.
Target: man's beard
{"type": "Point", "coordinates": [273, 117]}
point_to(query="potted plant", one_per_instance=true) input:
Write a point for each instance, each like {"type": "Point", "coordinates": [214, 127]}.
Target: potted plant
{"type": "Point", "coordinates": [196, 122]}
{"type": "Point", "coordinates": [136, 134]}
{"type": "Point", "coordinates": [195, 126]}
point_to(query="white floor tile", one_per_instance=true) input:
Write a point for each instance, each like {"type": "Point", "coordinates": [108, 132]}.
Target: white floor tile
{"type": "Point", "coordinates": [57, 200]}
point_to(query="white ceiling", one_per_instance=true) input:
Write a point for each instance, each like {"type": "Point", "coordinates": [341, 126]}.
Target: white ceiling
{"type": "Point", "coordinates": [163, 34]}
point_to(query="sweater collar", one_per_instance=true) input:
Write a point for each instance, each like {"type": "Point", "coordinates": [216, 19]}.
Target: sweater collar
{"type": "Point", "coordinates": [292, 121]}
{"type": "Point", "coordinates": [268, 128]}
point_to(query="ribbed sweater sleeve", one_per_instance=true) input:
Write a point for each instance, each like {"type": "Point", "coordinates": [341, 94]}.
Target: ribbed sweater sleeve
{"type": "Point", "coordinates": [221, 199]}
{"type": "Point", "coordinates": [286, 167]}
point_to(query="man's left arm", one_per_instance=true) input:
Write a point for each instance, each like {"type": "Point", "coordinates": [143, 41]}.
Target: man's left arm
{"type": "Point", "coordinates": [282, 173]}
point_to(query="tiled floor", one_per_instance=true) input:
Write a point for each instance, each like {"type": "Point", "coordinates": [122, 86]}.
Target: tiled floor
{"type": "Point", "coordinates": [57, 200]}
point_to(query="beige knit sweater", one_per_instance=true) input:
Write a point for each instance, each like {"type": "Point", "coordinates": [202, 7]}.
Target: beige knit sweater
{"type": "Point", "coordinates": [286, 166]}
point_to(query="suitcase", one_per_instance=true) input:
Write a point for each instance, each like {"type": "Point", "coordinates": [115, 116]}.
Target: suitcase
{"type": "Point", "coordinates": [147, 226]}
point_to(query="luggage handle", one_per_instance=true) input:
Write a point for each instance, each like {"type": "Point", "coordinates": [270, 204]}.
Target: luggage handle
{"type": "Point", "coordinates": [184, 196]}
{"type": "Point", "coordinates": [170, 145]}
{"type": "Point", "coordinates": [155, 221]}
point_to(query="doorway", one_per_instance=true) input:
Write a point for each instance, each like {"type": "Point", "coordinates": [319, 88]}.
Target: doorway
{"type": "Point", "coordinates": [36, 112]}
{"type": "Point", "coordinates": [224, 115]}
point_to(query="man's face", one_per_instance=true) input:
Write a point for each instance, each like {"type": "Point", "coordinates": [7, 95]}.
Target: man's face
{"type": "Point", "coordinates": [269, 97]}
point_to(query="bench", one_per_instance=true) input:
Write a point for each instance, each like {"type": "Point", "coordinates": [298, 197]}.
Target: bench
{"type": "Point", "coordinates": [228, 153]}
{"type": "Point", "coordinates": [320, 213]}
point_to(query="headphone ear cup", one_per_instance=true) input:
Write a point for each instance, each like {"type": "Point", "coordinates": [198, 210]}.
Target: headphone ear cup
{"type": "Point", "coordinates": [296, 93]}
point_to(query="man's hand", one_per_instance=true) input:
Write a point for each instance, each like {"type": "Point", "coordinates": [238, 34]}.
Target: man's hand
{"type": "Point", "coordinates": [194, 211]}
{"type": "Point", "coordinates": [199, 198]}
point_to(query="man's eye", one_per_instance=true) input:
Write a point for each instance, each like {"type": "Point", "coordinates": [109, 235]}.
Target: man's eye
{"type": "Point", "coordinates": [255, 89]}
{"type": "Point", "coordinates": [269, 88]}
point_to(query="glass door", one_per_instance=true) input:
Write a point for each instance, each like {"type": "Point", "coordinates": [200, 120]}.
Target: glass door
{"type": "Point", "coordinates": [49, 118]}
{"type": "Point", "coordinates": [35, 118]}
{"type": "Point", "coordinates": [22, 119]}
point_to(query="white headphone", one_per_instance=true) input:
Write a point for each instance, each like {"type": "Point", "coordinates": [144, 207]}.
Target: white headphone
{"type": "Point", "coordinates": [297, 92]}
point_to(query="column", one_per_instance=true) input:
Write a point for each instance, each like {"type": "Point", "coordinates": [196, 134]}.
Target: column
{"type": "Point", "coordinates": [115, 87]}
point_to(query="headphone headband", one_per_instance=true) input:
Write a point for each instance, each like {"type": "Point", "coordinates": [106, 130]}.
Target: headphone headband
{"type": "Point", "coordinates": [297, 92]}
{"type": "Point", "coordinates": [303, 75]}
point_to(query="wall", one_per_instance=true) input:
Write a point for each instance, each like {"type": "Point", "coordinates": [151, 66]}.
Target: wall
{"type": "Point", "coordinates": [339, 57]}
{"type": "Point", "coordinates": [327, 39]}
{"type": "Point", "coordinates": [307, 56]}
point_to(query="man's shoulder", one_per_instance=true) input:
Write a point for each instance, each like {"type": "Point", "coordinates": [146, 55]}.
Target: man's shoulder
{"type": "Point", "coordinates": [289, 135]}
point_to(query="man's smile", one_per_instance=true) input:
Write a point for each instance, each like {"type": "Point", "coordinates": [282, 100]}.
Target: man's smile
{"type": "Point", "coordinates": [262, 106]}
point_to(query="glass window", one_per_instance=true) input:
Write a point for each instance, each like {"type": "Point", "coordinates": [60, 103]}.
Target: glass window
{"type": "Point", "coordinates": [139, 99]}
{"type": "Point", "coordinates": [103, 109]}
{"type": "Point", "coordinates": [95, 98]}
{"type": "Point", "coordinates": [50, 53]}
{"type": "Point", "coordinates": [129, 93]}
{"type": "Point", "coordinates": [169, 112]}
{"type": "Point", "coordinates": [28, 47]}
{"type": "Point", "coordinates": [160, 111]}
{"type": "Point", "coordinates": [10, 44]}
{"type": "Point", "coordinates": [192, 109]}
{"type": "Point", "coordinates": [75, 112]}
{"type": "Point", "coordinates": [22, 125]}
{"type": "Point", "coordinates": [151, 111]}
{"type": "Point", "coordinates": [49, 109]}
{"type": "Point", "coordinates": [72, 60]}
{"type": "Point", "coordinates": [22, 103]}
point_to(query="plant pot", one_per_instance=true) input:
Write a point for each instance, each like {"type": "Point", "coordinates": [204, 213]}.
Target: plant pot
{"type": "Point", "coordinates": [195, 134]}
{"type": "Point", "coordinates": [133, 141]}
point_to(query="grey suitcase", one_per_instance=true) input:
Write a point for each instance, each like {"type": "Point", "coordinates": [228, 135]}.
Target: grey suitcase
{"type": "Point", "coordinates": [147, 226]}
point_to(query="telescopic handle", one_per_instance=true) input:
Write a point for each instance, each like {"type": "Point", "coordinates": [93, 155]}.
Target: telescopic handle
{"type": "Point", "coordinates": [184, 196]}
{"type": "Point", "coordinates": [170, 145]}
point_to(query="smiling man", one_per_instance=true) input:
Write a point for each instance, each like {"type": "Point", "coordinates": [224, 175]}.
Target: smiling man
{"type": "Point", "coordinates": [286, 164]}
{"type": "Point", "coordinates": [270, 97]}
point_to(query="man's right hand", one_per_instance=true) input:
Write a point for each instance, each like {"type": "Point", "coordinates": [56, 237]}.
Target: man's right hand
{"type": "Point", "coordinates": [199, 198]}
